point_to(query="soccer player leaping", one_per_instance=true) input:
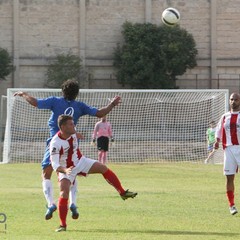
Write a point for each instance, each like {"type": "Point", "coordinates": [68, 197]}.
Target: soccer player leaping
{"type": "Point", "coordinates": [68, 161]}
{"type": "Point", "coordinates": [66, 104]}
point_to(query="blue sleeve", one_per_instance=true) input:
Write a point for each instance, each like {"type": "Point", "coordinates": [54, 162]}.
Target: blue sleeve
{"type": "Point", "coordinates": [88, 110]}
{"type": "Point", "coordinates": [46, 103]}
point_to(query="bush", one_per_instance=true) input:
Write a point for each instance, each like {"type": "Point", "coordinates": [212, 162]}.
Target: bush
{"type": "Point", "coordinates": [65, 66]}
{"type": "Point", "coordinates": [6, 66]}
{"type": "Point", "coordinates": [152, 56]}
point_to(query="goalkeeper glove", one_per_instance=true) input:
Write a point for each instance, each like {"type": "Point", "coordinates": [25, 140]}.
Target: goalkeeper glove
{"type": "Point", "coordinates": [112, 139]}
{"type": "Point", "coordinates": [93, 142]}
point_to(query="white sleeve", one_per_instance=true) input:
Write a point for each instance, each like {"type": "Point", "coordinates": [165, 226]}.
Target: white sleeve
{"type": "Point", "coordinates": [54, 155]}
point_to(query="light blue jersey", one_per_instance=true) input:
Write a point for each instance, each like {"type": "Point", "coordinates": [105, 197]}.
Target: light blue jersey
{"type": "Point", "coordinates": [58, 106]}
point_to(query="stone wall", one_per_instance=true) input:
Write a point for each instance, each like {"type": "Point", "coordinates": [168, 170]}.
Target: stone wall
{"type": "Point", "coordinates": [35, 31]}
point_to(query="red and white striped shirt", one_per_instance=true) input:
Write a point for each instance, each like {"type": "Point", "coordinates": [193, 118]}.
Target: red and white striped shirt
{"type": "Point", "coordinates": [228, 129]}
{"type": "Point", "coordinates": [64, 152]}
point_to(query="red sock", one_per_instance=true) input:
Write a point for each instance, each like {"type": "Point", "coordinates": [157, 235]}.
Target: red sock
{"type": "Point", "coordinates": [230, 196]}
{"type": "Point", "coordinates": [113, 180]}
{"type": "Point", "coordinates": [63, 210]}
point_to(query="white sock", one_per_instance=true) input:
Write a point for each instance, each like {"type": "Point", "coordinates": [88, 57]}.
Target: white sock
{"type": "Point", "coordinates": [48, 191]}
{"type": "Point", "coordinates": [73, 193]}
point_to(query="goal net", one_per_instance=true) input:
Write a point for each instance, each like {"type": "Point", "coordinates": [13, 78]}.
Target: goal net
{"type": "Point", "coordinates": [149, 126]}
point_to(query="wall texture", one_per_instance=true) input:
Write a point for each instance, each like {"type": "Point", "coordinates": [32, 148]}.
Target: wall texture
{"type": "Point", "coordinates": [35, 31]}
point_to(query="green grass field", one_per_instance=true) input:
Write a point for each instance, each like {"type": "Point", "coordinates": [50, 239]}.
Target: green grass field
{"type": "Point", "coordinates": [175, 201]}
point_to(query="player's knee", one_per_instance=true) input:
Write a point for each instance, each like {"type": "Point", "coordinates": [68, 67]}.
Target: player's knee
{"type": "Point", "coordinates": [47, 172]}
{"type": "Point", "coordinates": [103, 168]}
{"type": "Point", "coordinates": [64, 194]}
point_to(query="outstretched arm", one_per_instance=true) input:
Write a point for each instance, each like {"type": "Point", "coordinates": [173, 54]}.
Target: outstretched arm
{"type": "Point", "coordinates": [107, 109]}
{"type": "Point", "coordinates": [29, 99]}
{"type": "Point", "coordinates": [95, 131]}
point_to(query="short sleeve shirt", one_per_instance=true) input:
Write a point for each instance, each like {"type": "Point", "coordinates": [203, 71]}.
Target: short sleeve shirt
{"type": "Point", "coordinates": [59, 105]}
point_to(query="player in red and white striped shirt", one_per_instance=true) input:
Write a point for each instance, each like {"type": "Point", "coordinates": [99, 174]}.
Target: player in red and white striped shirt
{"type": "Point", "coordinates": [102, 132]}
{"type": "Point", "coordinates": [68, 161]}
{"type": "Point", "coordinates": [228, 131]}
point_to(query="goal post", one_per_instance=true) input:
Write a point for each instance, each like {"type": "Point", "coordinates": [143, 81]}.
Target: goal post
{"type": "Point", "coordinates": [149, 126]}
{"type": "Point", "coordinates": [3, 110]}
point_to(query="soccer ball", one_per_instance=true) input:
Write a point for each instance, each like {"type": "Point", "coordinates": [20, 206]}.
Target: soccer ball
{"type": "Point", "coordinates": [170, 16]}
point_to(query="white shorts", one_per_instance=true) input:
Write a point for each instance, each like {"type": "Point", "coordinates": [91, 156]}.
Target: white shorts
{"type": "Point", "coordinates": [82, 167]}
{"type": "Point", "coordinates": [231, 160]}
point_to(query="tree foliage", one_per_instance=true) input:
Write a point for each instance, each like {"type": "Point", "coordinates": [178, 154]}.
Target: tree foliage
{"type": "Point", "coordinates": [152, 56]}
{"type": "Point", "coordinates": [65, 66]}
{"type": "Point", "coordinates": [6, 66]}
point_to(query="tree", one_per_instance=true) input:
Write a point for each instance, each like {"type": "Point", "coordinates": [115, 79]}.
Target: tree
{"type": "Point", "coordinates": [6, 66]}
{"type": "Point", "coordinates": [64, 67]}
{"type": "Point", "coordinates": [152, 56]}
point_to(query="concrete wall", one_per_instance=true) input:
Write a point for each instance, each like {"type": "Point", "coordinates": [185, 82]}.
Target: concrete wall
{"type": "Point", "coordinates": [35, 31]}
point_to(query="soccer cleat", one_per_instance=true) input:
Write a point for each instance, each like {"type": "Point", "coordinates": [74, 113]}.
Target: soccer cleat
{"type": "Point", "coordinates": [61, 229]}
{"type": "Point", "coordinates": [233, 210]}
{"type": "Point", "coordinates": [50, 211]}
{"type": "Point", "coordinates": [128, 194]}
{"type": "Point", "coordinates": [74, 211]}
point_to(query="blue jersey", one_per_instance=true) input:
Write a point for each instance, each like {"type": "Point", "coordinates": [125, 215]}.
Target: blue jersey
{"type": "Point", "coordinates": [59, 105]}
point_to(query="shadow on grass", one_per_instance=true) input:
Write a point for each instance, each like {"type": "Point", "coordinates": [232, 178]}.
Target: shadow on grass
{"type": "Point", "coordinates": [160, 232]}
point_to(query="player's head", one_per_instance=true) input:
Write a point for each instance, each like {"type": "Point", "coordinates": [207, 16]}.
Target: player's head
{"type": "Point", "coordinates": [63, 120]}
{"type": "Point", "coordinates": [234, 101]}
{"type": "Point", "coordinates": [212, 124]}
{"type": "Point", "coordinates": [70, 89]}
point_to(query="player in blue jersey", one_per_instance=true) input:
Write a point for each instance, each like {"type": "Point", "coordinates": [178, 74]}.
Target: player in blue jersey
{"type": "Point", "coordinates": [67, 105]}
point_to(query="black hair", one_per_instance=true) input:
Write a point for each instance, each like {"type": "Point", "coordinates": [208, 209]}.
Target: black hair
{"type": "Point", "coordinates": [70, 89]}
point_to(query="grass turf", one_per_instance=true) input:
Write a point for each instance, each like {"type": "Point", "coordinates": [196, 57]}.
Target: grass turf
{"type": "Point", "coordinates": [175, 201]}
